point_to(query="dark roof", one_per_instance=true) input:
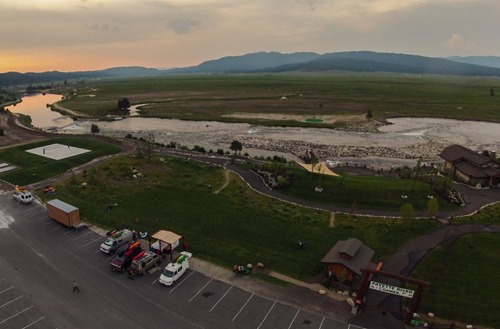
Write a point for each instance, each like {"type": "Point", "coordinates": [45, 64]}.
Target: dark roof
{"type": "Point", "coordinates": [492, 172]}
{"type": "Point", "coordinates": [471, 170]}
{"type": "Point", "coordinates": [361, 255]}
{"type": "Point", "coordinates": [455, 153]}
{"type": "Point", "coordinates": [349, 246]}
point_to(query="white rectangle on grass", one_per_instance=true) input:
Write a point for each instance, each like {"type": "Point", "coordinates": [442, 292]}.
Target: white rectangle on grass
{"type": "Point", "coordinates": [57, 151]}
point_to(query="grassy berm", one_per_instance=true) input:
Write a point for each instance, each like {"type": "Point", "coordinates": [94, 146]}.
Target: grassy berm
{"type": "Point", "coordinates": [231, 226]}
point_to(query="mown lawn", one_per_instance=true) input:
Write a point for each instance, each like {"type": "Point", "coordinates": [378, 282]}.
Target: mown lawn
{"type": "Point", "coordinates": [34, 168]}
{"type": "Point", "coordinates": [233, 226]}
{"type": "Point", "coordinates": [464, 276]}
{"type": "Point", "coordinates": [363, 192]}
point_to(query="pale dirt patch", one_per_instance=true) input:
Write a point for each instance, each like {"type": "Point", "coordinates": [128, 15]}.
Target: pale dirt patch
{"type": "Point", "coordinates": [300, 118]}
{"type": "Point", "coordinates": [332, 219]}
{"type": "Point", "coordinates": [323, 169]}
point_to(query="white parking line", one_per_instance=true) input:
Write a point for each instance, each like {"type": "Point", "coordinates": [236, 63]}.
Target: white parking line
{"type": "Point", "coordinates": [354, 327]}
{"type": "Point", "coordinates": [293, 320]}
{"type": "Point", "coordinates": [99, 238]}
{"type": "Point", "coordinates": [181, 282]}
{"type": "Point", "coordinates": [200, 290]}
{"type": "Point", "coordinates": [67, 232]}
{"type": "Point", "coordinates": [241, 309]}
{"type": "Point", "coordinates": [13, 316]}
{"type": "Point", "coordinates": [1, 292]}
{"type": "Point", "coordinates": [32, 323]}
{"type": "Point", "coordinates": [155, 280]}
{"type": "Point", "coordinates": [98, 251]}
{"type": "Point", "coordinates": [2, 279]}
{"type": "Point", "coordinates": [220, 299]}
{"type": "Point", "coordinates": [266, 315]}
{"type": "Point", "coordinates": [321, 324]}
{"type": "Point", "coordinates": [81, 236]}
{"type": "Point", "coordinates": [12, 301]}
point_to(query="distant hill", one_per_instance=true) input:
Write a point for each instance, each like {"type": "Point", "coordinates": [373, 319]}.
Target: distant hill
{"type": "Point", "coordinates": [366, 61]}
{"type": "Point", "coordinates": [16, 78]}
{"type": "Point", "coordinates": [130, 71]}
{"type": "Point", "coordinates": [493, 61]}
{"type": "Point", "coordinates": [357, 61]}
{"type": "Point", "coordinates": [248, 62]}
{"type": "Point", "coordinates": [274, 62]}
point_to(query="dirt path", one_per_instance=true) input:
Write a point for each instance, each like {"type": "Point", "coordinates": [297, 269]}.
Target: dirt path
{"type": "Point", "coordinates": [58, 107]}
{"type": "Point", "coordinates": [332, 219]}
{"type": "Point", "coordinates": [226, 181]}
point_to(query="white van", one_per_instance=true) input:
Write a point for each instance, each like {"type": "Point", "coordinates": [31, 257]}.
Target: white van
{"type": "Point", "coordinates": [23, 196]}
{"type": "Point", "coordinates": [116, 240]}
{"type": "Point", "coordinates": [174, 271]}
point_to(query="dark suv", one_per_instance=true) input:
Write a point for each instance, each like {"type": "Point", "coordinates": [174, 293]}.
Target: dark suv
{"type": "Point", "coordinates": [124, 256]}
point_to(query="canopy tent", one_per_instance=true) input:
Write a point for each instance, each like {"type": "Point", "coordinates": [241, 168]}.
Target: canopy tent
{"type": "Point", "coordinates": [170, 239]}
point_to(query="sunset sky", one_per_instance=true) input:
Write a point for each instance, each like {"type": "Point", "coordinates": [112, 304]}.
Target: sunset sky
{"type": "Point", "coordinates": [74, 35]}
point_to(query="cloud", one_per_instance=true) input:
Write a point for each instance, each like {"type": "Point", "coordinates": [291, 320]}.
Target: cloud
{"type": "Point", "coordinates": [458, 43]}
{"type": "Point", "coordinates": [456, 40]}
{"type": "Point", "coordinates": [182, 25]}
{"type": "Point", "coordinates": [186, 32]}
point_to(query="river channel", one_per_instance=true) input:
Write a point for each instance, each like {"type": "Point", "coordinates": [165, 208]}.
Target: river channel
{"type": "Point", "coordinates": [402, 142]}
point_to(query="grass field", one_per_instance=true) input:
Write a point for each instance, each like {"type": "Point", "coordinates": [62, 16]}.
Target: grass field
{"type": "Point", "coordinates": [464, 276]}
{"type": "Point", "coordinates": [234, 226]}
{"type": "Point", "coordinates": [202, 97]}
{"type": "Point", "coordinates": [364, 192]}
{"type": "Point", "coordinates": [34, 168]}
{"type": "Point", "coordinates": [488, 215]}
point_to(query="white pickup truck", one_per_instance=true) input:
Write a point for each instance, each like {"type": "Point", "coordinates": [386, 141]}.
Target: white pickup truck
{"type": "Point", "coordinates": [174, 271]}
{"type": "Point", "coordinates": [24, 196]}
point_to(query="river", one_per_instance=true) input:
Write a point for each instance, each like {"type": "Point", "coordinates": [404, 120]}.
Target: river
{"type": "Point", "coordinates": [417, 137]}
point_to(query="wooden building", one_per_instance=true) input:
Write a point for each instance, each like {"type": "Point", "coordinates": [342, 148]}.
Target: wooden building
{"type": "Point", "coordinates": [470, 167]}
{"type": "Point", "coordinates": [346, 259]}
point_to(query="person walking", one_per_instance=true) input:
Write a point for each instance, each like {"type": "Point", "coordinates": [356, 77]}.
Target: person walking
{"type": "Point", "coordinates": [75, 287]}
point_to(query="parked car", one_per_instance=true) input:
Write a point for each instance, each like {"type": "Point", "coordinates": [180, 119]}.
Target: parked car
{"type": "Point", "coordinates": [24, 197]}
{"type": "Point", "coordinates": [173, 271]}
{"type": "Point", "coordinates": [147, 261]}
{"type": "Point", "coordinates": [123, 259]}
{"type": "Point", "coordinates": [115, 240]}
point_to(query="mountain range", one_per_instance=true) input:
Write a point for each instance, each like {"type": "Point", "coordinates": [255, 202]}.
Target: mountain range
{"type": "Point", "coordinates": [275, 62]}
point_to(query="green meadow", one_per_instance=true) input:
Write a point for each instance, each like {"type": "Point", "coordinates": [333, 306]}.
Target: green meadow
{"type": "Point", "coordinates": [216, 97]}
{"type": "Point", "coordinates": [464, 277]}
{"type": "Point", "coordinates": [234, 225]}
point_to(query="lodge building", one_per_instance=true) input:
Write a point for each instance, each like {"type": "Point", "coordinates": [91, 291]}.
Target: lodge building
{"type": "Point", "coordinates": [470, 167]}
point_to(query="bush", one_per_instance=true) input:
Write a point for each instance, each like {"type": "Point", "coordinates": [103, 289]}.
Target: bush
{"type": "Point", "coordinates": [94, 128]}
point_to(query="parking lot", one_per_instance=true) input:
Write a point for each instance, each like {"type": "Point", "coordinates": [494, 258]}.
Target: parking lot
{"type": "Point", "coordinates": [41, 258]}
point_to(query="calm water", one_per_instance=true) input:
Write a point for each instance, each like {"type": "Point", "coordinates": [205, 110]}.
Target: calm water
{"type": "Point", "coordinates": [42, 117]}
{"type": "Point", "coordinates": [403, 132]}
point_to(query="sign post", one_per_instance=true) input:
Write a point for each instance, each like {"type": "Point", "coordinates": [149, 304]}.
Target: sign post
{"type": "Point", "coordinates": [408, 293]}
